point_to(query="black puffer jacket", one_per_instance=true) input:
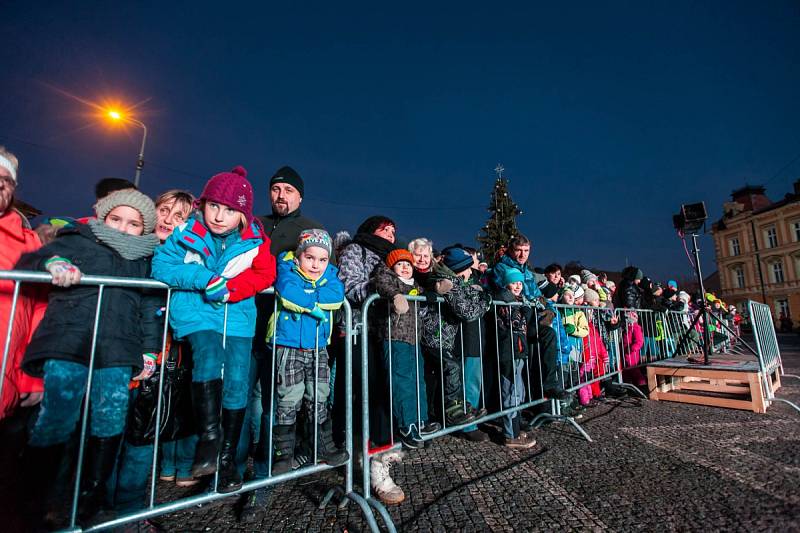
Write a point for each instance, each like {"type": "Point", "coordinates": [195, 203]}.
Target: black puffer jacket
{"type": "Point", "coordinates": [128, 326]}
{"type": "Point", "coordinates": [512, 327]}
{"type": "Point", "coordinates": [628, 294]}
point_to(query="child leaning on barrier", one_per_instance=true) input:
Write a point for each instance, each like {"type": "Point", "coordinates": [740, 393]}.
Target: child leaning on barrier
{"type": "Point", "coordinates": [217, 261]}
{"type": "Point", "coordinates": [512, 340]}
{"type": "Point", "coordinates": [398, 328]}
{"type": "Point", "coordinates": [307, 292]}
{"type": "Point", "coordinates": [440, 325]}
{"type": "Point", "coordinates": [632, 343]}
{"type": "Point", "coordinates": [577, 328]}
{"type": "Point", "coordinates": [119, 242]}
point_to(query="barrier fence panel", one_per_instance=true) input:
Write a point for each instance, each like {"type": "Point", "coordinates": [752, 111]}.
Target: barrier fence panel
{"type": "Point", "coordinates": [149, 506]}
{"type": "Point", "coordinates": [769, 355]}
{"type": "Point", "coordinates": [462, 388]}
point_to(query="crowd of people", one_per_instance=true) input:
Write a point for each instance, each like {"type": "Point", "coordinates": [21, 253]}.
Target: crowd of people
{"type": "Point", "coordinates": [282, 354]}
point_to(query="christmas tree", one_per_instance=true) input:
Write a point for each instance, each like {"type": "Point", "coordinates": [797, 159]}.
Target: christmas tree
{"type": "Point", "coordinates": [502, 224]}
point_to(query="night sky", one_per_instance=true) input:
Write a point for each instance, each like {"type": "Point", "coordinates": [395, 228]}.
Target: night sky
{"type": "Point", "coordinates": [606, 116]}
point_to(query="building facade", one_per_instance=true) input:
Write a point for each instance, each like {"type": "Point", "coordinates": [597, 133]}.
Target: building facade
{"type": "Point", "coordinates": [757, 244]}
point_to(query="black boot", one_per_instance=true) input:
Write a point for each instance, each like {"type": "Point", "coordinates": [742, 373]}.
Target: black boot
{"type": "Point", "coordinates": [206, 399]}
{"type": "Point", "coordinates": [327, 452]}
{"type": "Point", "coordinates": [283, 443]}
{"type": "Point", "coordinates": [229, 478]}
{"type": "Point", "coordinates": [101, 455]}
{"type": "Point", "coordinates": [40, 495]}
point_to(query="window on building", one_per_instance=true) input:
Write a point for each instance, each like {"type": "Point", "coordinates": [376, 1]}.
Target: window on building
{"type": "Point", "coordinates": [776, 271]}
{"type": "Point", "coordinates": [782, 307]}
{"type": "Point", "coordinates": [733, 246]}
{"type": "Point", "coordinates": [796, 230]}
{"type": "Point", "coordinates": [738, 277]}
{"type": "Point", "coordinates": [771, 236]}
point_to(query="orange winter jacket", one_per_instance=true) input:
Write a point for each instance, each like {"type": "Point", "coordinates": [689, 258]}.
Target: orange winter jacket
{"type": "Point", "coordinates": [16, 238]}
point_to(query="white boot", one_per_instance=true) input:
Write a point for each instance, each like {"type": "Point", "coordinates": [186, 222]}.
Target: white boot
{"type": "Point", "coordinates": [384, 487]}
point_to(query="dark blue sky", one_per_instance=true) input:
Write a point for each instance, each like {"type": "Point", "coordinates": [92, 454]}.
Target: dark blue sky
{"type": "Point", "coordinates": [607, 116]}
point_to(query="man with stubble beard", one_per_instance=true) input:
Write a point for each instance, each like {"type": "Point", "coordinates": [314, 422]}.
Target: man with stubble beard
{"type": "Point", "coordinates": [283, 226]}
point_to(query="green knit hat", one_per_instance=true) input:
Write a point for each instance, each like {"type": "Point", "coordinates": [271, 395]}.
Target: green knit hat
{"type": "Point", "coordinates": [131, 198]}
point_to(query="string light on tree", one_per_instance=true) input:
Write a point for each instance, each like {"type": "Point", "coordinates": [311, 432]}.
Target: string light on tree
{"type": "Point", "coordinates": [502, 225]}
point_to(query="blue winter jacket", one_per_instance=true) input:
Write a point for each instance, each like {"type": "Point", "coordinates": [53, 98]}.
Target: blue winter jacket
{"type": "Point", "coordinates": [531, 291]}
{"type": "Point", "coordinates": [189, 259]}
{"type": "Point", "coordinates": [297, 295]}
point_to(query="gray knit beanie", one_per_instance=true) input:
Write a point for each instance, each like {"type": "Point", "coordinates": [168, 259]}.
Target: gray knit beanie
{"type": "Point", "coordinates": [314, 237]}
{"type": "Point", "coordinates": [131, 198]}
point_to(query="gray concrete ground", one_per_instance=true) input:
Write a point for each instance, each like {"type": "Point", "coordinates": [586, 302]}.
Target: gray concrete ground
{"type": "Point", "coordinates": [653, 466]}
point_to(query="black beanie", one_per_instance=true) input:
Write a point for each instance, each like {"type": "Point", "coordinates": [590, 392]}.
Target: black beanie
{"type": "Point", "coordinates": [290, 176]}
{"type": "Point", "coordinates": [372, 223]}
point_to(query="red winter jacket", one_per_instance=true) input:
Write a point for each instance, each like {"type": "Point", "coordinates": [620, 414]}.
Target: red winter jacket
{"type": "Point", "coordinates": [15, 240]}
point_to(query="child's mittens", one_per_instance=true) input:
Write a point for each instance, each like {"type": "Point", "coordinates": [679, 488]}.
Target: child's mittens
{"type": "Point", "coordinates": [569, 328]}
{"type": "Point", "coordinates": [443, 286]}
{"type": "Point", "coordinates": [318, 314]}
{"type": "Point", "coordinates": [149, 369]}
{"type": "Point", "coordinates": [217, 290]}
{"type": "Point", "coordinates": [400, 304]}
{"type": "Point", "coordinates": [63, 271]}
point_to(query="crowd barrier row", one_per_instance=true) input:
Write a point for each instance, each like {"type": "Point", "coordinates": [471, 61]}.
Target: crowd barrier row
{"type": "Point", "coordinates": [153, 508]}
{"type": "Point", "coordinates": [608, 345]}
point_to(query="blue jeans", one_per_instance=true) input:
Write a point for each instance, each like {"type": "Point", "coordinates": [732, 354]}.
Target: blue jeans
{"type": "Point", "coordinates": [251, 427]}
{"type": "Point", "coordinates": [64, 389]}
{"type": "Point", "coordinates": [209, 358]}
{"type": "Point", "coordinates": [177, 457]}
{"type": "Point", "coordinates": [513, 390]}
{"type": "Point", "coordinates": [473, 379]}
{"type": "Point", "coordinates": [404, 380]}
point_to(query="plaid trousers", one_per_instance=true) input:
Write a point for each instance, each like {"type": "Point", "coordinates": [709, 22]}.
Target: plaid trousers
{"type": "Point", "coordinates": [295, 384]}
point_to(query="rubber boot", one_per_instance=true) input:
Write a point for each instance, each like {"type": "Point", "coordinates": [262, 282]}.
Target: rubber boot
{"type": "Point", "coordinates": [283, 442]}
{"type": "Point", "coordinates": [101, 456]}
{"type": "Point", "coordinates": [206, 400]}
{"type": "Point", "coordinates": [327, 452]}
{"type": "Point", "coordinates": [229, 478]}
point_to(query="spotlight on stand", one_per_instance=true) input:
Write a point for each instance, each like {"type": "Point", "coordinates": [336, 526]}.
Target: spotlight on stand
{"type": "Point", "coordinates": [690, 220]}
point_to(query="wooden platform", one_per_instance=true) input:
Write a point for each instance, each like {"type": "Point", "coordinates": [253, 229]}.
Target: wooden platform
{"type": "Point", "coordinates": [727, 381]}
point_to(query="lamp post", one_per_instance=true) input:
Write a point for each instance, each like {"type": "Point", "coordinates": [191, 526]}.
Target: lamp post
{"type": "Point", "coordinates": [117, 116]}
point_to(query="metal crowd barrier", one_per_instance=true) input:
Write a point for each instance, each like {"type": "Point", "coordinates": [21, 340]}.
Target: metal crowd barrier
{"type": "Point", "coordinates": [769, 354]}
{"type": "Point", "coordinates": [435, 358]}
{"type": "Point", "coordinates": [153, 509]}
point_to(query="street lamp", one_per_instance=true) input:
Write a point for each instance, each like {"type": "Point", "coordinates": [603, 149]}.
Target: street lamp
{"type": "Point", "coordinates": [118, 116]}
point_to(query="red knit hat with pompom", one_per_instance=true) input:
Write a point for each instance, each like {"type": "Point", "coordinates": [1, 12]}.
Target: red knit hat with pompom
{"type": "Point", "coordinates": [230, 189]}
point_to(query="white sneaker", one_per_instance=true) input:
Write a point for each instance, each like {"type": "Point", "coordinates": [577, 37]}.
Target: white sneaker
{"type": "Point", "coordinates": [384, 487]}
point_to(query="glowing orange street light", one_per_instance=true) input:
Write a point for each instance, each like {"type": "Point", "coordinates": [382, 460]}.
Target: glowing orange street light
{"type": "Point", "coordinates": [117, 116]}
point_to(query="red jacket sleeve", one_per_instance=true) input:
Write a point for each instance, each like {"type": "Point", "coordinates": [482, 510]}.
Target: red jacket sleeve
{"type": "Point", "coordinates": [260, 275]}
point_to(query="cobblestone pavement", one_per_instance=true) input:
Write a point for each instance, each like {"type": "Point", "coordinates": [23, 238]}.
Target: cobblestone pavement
{"type": "Point", "coordinates": [653, 466]}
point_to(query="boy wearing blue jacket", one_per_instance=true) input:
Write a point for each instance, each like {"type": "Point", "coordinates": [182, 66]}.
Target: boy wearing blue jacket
{"type": "Point", "coordinates": [307, 291]}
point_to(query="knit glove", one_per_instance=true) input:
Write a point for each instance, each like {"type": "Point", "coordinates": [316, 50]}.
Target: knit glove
{"type": "Point", "coordinates": [318, 314]}
{"type": "Point", "coordinates": [443, 286]}
{"type": "Point", "coordinates": [400, 304]}
{"type": "Point", "coordinates": [217, 291]}
{"type": "Point", "coordinates": [63, 271]}
{"type": "Point", "coordinates": [149, 366]}
{"type": "Point", "coordinates": [569, 328]}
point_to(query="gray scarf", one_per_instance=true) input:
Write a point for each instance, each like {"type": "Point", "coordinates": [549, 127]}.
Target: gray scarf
{"type": "Point", "coordinates": [130, 247]}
